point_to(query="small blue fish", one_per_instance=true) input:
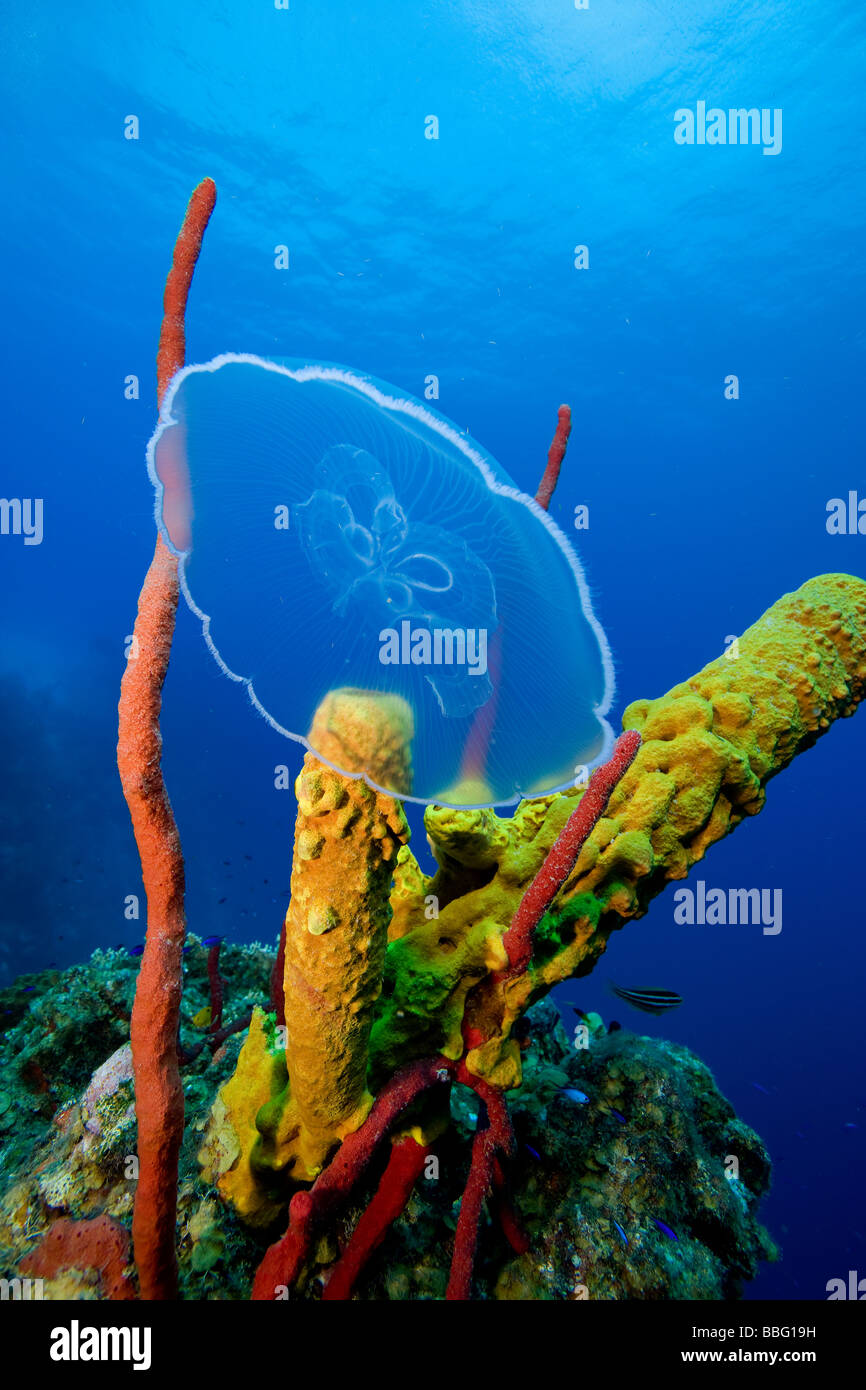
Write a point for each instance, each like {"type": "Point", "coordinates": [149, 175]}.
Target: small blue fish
{"type": "Point", "coordinates": [665, 1229]}
{"type": "Point", "coordinates": [136, 950]}
{"type": "Point", "coordinates": [618, 1115]}
{"type": "Point", "coordinates": [579, 1097]}
{"type": "Point", "coordinates": [622, 1235]}
{"type": "Point", "coordinates": [534, 1152]}
{"type": "Point", "coordinates": [758, 1087]}
{"type": "Point", "coordinates": [211, 940]}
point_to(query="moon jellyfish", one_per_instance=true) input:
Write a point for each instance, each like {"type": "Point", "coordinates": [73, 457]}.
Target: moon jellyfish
{"type": "Point", "coordinates": [340, 541]}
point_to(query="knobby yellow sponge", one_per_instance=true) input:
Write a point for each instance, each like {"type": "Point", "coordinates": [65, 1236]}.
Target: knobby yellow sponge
{"type": "Point", "coordinates": [346, 840]}
{"type": "Point", "coordinates": [709, 748]}
{"type": "Point", "coordinates": [711, 744]}
{"type": "Point", "coordinates": [285, 1112]}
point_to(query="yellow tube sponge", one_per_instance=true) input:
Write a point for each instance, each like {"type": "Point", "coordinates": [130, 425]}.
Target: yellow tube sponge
{"type": "Point", "coordinates": [711, 744]}
{"type": "Point", "coordinates": [346, 841]}
{"type": "Point", "coordinates": [709, 748]}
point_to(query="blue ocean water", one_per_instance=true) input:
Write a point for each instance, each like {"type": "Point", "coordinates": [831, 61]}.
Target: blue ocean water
{"type": "Point", "coordinates": [433, 172]}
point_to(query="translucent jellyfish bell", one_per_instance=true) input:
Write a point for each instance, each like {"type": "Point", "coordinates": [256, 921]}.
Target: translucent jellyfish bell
{"type": "Point", "coordinates": [339, 540]}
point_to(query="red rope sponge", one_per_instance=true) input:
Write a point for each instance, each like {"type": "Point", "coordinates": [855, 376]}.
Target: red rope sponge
{"type": "Point", "coordinates": [564, 853]}
{"type": "Point", "coordinates": [555, 455]}
{"type": "Point", "coordinates": [216, 988]}
{"type": "Point", "coordinates": [172, 337]}
{"type": "Point", "coordinates": [156, 1010]}
{"type": "Point", "coordinates": [405, 1167]}
{"type": "Point", "coordinates": [284, 1261]}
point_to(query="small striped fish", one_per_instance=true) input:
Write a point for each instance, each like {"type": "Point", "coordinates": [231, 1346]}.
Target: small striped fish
{"type": "Point", "coordinates": [649, 1001]}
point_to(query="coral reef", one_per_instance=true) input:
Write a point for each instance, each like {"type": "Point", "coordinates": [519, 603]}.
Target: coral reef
{"type": "Point", "coordinates": [648, 1144]}
{"type": "Point", "coordinates": [652, 1142]}
{"type": "Point", "coordinates": [68, 1142]}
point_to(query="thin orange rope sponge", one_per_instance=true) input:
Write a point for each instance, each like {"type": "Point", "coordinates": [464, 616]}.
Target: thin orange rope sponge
{"type": "Point", "coordinates": [156, 1011]}
{"type": "Point", "coordinates": [555, 456]}
{"type": "Point", "coordinates": [171, 352]}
